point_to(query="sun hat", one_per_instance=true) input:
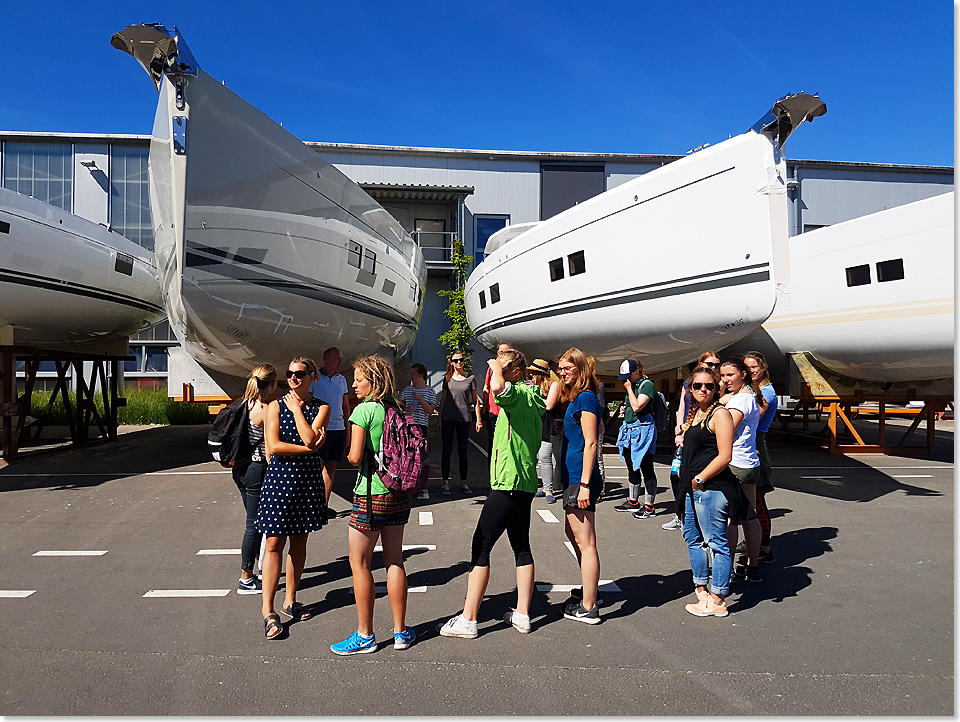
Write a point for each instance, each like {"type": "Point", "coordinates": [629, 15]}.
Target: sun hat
{"type": "Point", "coordinates": [540, 366]}
{"type": "Point", "coordinates": [627, 368]}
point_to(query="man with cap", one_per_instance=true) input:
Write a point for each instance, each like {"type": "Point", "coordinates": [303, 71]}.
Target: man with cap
{"type": "Point", "coordinates": [638, 439]}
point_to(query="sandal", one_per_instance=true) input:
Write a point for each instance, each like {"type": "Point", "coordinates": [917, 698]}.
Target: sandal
{"type": "Point", "coordinates": [272, 621]}
{"type": "Point", "coordinates": [295, 610]}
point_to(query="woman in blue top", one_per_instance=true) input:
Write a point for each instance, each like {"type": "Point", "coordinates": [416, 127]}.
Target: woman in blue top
{"type": "Point", "coordinates": [386, 518]}
{"type": "Point", "coordinates": [757, 363]}
{"type": "Point", "coordinates": [580, 476]}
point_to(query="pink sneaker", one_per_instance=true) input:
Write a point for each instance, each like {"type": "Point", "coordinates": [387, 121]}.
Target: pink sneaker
{"type": "Point", "coordinates": [707, 608]}
{"type": "Point", "coordinates": [702, 594]}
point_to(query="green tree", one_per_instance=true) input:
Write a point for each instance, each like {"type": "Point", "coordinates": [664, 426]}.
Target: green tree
{"type": "Point", "coordinates": [460, 335]}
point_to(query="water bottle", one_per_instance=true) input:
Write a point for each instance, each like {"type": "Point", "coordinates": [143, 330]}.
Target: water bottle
{"type": "Point", "coordinates": [675, 466]}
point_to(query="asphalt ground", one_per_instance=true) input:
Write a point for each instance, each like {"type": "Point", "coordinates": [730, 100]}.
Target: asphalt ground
{"type": "Point", "coordinates": [855, 616]}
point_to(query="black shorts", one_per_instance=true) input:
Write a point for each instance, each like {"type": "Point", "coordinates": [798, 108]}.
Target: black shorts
{"type": "Point", "coordinates": [333, 446]}
{"type": "Point", "coordinates": [571, 491]}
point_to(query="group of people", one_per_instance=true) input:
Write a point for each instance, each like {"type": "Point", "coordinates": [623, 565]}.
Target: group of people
{"type": "Point", "coordinates": [546, 424]}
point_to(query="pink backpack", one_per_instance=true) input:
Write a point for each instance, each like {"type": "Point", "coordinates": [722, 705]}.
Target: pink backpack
{"type": "Point", "coordinates": [403, 462]}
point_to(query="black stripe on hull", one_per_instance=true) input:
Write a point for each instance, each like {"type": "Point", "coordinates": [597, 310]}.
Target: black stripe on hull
{"type": "Point", "coordinates": [607, 299]}
{"type": "Point", "coordinates": [76, 289]}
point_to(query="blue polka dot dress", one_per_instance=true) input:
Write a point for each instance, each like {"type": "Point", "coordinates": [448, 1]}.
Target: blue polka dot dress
{"type": "Point", "coordinates": [292, 499]}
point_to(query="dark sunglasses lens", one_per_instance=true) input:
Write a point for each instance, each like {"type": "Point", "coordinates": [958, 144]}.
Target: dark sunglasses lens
{"type": "Point", "coordinates": [712, 365]}
{"type": "Point", "coordinates": [708, 387]}
{"type": "Point", "coordinates": [456, 360]}
{"type": "Point", "coordinates": [300, 373]}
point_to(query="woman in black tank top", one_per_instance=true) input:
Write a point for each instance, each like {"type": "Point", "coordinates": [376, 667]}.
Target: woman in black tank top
{"type": "Point", "coordinates": [707, 485]}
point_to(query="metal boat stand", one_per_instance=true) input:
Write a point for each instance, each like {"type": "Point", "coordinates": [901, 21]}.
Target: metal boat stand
{"type": "Point", "coordinates": [82, 411]}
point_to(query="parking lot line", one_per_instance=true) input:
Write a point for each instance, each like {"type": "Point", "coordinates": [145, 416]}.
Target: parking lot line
{"type": "Point", "coordinates": [426, 518]}
{"type": "Point", "coordinates": [208, 552]}
{"type": "Point", "coordinates": [187, 593]}
{"type": "Point", "coordinates": [548, 516]}
{"type": "Point", "coordinates": [69, 553]}
{"type": "Point", "coordinates": [16, 593]}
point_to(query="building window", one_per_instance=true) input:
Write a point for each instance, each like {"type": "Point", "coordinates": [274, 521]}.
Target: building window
{"type": "Point", "coordinates": [483, 299]}
{"type": "Point", "coordinates": [134, 365]}
{"type": "Point", "coordinates": [495, 293]}
{"type": "Point", "coordinates": [130, 194]}
{"type": "Point", "coordinates": [354, 254]}
{"type": "Point", "coordinates": [890, 270]}
{"type": "Point", "coordinates": [858, 275]}
{"type": "Point", "coordinates": [484, 227]}
{"type": "Point", "coordinates": [577, 264]}
{"type": "Point", "coordinates": [556, 269]}
{"type": "Point", "coordinates": [41, 170]}
{"type": "Point", "coordinates": [564, 185]}
{"type": "Point", "coordinates": [807, 227]}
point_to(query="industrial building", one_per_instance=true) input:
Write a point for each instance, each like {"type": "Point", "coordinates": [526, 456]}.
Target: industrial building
{"type": "Point", "coordinates": [436, 194]}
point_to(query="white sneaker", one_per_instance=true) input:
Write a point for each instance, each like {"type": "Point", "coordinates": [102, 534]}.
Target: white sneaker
{"type": "Point", "coordinates": [672, 524]}
{"type": "Point", "coordinates": [423, 494]}
{"type": "Point", "coordinates": [521, 625]}
{"type": "Point", "coordinates": [456, 627]}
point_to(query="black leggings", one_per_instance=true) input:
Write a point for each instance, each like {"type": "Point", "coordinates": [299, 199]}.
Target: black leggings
{"type": "Point", "coordinates": [503, 511]}
{"type": "Point", "coordinates": [644, 476]}
{"type": "Point", "coordinates": [447, 431]}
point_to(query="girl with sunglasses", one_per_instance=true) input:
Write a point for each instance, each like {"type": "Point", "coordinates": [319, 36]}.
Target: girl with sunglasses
{"type": "Point", "coordinates": [293, 498]}
{"type": "Point", "coordinates": [710, 492]}
{"type": "Point", "coordinates": [458, 399]}
{"type": "Point", "coordinates": [745, 405]}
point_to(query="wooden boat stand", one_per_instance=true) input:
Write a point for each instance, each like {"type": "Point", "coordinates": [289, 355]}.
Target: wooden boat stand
{"type": "Point", "coordinates": [841, 399]}
{"type": "Point", "coordinates": [81, 414]}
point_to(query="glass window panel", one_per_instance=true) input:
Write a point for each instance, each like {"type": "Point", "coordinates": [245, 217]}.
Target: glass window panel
{"type": "Point", "coordinates": [486, 226]}
{"type": "Point", "coordinates": [156, 359]}
{"type": "Point", "coordinates": [41, 170]}
{"type": "Point", "coordinates": [130, 194]}
{"type": "Point", "coordinates": [890, 270]}
{"type": "Point", "coordinates": [858, 275]}
{"type": "Point", "coordinates": [134, 366]}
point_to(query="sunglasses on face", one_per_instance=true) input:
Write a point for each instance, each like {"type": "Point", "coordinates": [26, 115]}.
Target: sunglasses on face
{"type": "Point", "coordinates": [456, 360]}
{"type": "Point", "coordinates": [712, 365]}
{"type": "Point", "coordinates": [300, 373]}
{"type": "Point", "coordinates": [709, 387]}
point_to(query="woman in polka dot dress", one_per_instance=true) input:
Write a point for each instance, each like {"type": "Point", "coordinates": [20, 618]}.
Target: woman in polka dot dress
{"type": "Point", "coordinates": [292, 501]}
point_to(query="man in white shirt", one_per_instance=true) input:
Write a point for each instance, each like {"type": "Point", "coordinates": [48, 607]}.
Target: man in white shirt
{"type": "Point", "coordinates": [331, 386]}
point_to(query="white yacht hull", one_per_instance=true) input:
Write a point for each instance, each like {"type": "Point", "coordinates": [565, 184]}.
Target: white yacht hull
{"type": "Point", "coordinates": [67, 283]}
{"type": "Point", "coordinates": [891, 331]}
{"type": "Point", "coordinates": [266, 251]}
{"type": "Point", "coordinates": [680, 260]}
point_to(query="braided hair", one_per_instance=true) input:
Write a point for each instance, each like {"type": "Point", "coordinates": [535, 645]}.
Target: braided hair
{"type": "Point", "coordinates": [380, 375]}
{"type": "Point", "coordinates": [694, 407]}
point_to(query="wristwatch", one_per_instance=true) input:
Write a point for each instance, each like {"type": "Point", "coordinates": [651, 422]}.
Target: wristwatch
{"type": "Point", "coordinates": [585, 486]}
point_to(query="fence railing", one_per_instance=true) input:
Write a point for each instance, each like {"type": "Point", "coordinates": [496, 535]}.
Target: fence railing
{"type": "Point", "coordinates": [435, 245]}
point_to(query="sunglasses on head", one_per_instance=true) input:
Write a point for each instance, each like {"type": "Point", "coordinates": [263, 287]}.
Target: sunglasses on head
{"type": "Point", "coordinates": [708, 386]}
{"type": "Point", "coordinates": [299, 373]}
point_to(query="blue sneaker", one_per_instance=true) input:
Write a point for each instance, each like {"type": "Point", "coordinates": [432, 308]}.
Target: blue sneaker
{"type": "Point", "coordinates": [249, 586]}
{"type": "Point", "coordinates": [355, 644]}
{"type": "Point", "coordinates": [402, 640]}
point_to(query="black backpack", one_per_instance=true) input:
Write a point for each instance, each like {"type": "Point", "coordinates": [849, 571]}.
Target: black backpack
{"type": "Point", "coordinates": [229, 442]}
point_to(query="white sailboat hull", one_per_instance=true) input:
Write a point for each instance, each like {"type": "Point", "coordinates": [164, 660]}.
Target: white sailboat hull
{"type": "Point", "coordinates": [890, 331]}
{"type": "Point", "coordinates": [70, 284]}
{"type": "Point", "coordinates": [266, 251]}
{"type": "Point", "coordinates": [680, 260]}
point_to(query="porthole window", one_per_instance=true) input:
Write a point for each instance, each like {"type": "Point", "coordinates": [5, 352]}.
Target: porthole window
{"type": "Point", "coordinates": [354, 254]}
{"type": "Point", "coordinates": [577, 264]}
{"type": "Point", "coordinates": [495, 293]}
{"type": "Point", "coordinates": [483, 299]}
{"type": "Point", "coordinates": [890, 270]}
{"type": "Point", "coordinates": [556, 269]}
{"type": "Point", "coordinates": [858, 275]}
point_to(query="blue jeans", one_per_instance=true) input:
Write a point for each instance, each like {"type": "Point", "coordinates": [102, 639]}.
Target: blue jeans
{"type": "Point", "coordinates": [711, 512]}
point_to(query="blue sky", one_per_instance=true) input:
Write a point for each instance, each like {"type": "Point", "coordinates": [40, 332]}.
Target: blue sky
{"type": "Point", "coordinates": [629, 77]}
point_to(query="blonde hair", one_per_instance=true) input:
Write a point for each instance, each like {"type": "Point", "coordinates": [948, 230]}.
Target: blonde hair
{"type": "Point", "coordinates": [762, 365]}
{"type": "Point", "coordinates": [308, 364]}
{"type": "Point", "coordinates": [586, 378]}
{"type": "Point", "coordinates": [379, 373]}
{"type": "Point", "coordinates": [694, 406]}
{"type": "Point", "coordinates": [517, 361]}
{"type": "Point", "coordinates": [705, 355]}
{"type": "Point", "coordinates": [258, 382]}
{"type": "Point", "coordinates": [545, 381]}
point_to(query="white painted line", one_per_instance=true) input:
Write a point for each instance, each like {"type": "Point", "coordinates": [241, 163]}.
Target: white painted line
{"type": "Point", "coordinates": [482, 450]}
{"type": "Point", "coordinates": [122, 473]}
{"type": "Point", "coordinates": [187, 593]}
{"type": "Point", "coordinates": [821, 477]}
{"type": "Point", "coordinates": [912, 476]}
{"type": "Point", "coordinates": [69, 553]}
{"type": "Point", "coordinates": [548, 516]}
{"type": "Point", "coordinates": [569, 545]}
{"type": "Point", "coordinates": [426, 518]}
{"type": "Point", "coordinates": [16, 593]}
{"type": "Point", "coordinates": [606, 585]}
{"type": "Point", "coordinates": [382, 589]}
{"type": "Point", "coordinates": [945, 467]}
{"type": "Point", "coordinates": [411, 547]}
{"type": "Point", "coordinates": [208, 552]}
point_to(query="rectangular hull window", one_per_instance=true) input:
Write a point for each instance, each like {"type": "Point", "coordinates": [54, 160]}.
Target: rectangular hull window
{"type": "Point", "coordinates": [483, 299]}
{"type": "Point", "coordinates": [556, 269]}
{"type": "Point", "coordinates": [124, 265]}
{"type": "Point", "coordinates": [858, 275]}
{"type": "Point", "coordinates": [890, 270]}
{"type": "Point", "coordinates": [369, 261]}
{"type": "Point", "coordinates": [354, 254]}
{"type": "Point", "coordinates": [577, 264]}
{"type": "Point", "coordinates": [495, 293]}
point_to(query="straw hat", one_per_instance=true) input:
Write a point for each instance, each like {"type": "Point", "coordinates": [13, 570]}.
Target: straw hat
{"type": "Point", "coordinates": [539, 366]}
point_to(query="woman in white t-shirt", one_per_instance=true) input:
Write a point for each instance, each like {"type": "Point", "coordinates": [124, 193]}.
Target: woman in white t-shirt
{"type": "Point", "coordinates": [745, 406]}
{"type": "Point", "coordinates": [421, 401]}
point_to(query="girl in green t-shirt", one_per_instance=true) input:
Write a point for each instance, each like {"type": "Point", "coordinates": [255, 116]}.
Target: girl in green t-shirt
{"type": "Point", "coordinates": [374, 385]}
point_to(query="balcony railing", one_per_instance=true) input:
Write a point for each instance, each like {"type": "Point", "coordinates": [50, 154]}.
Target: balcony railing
{"type": "Point", "coordinates": [436, 247]}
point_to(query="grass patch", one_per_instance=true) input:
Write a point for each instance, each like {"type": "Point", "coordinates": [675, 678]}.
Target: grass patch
{"type": "Point", "coordinates": [144, 406]}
